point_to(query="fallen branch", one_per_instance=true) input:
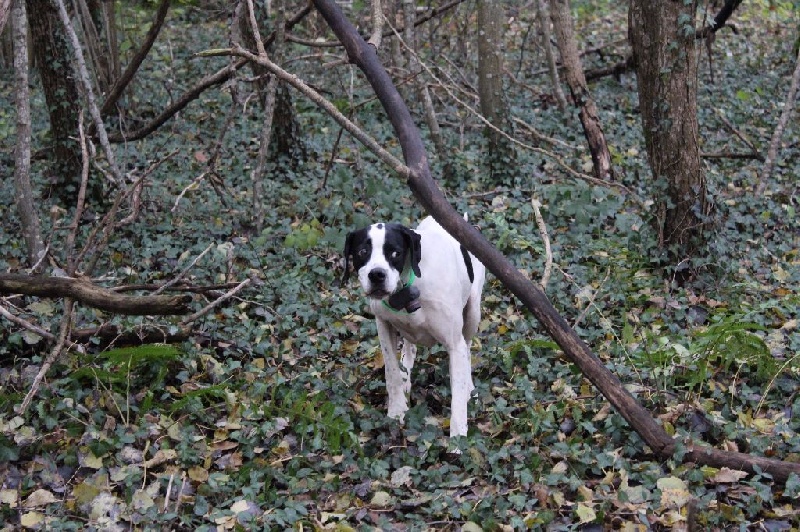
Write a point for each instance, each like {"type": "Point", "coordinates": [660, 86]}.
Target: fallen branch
{"type": "Point", "coordinates": [205, 310]}
{"type": "Point", "coordinates": [26, 324]}
{"type": "Point", "coordinates": [94, 296]}
{"type": "Point", "coordinates": [108, 335]}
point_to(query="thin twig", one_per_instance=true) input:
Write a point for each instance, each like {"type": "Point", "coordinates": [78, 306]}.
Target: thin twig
{"type": "Point", "coordinates": [544, 26]}
{"type": "Point", "coordinates": [169, 489]}
{"type": "Point", "coordinates": [548, 254]}
{"type": "Point", "coordinates": [66, 323]}
{"type": "Point", "coordinates": [251, 14]}
{"type": "Point", "coordinates": [735, 131]}
{"type": "Point", "coordinates": [178, 495]}
{"type": "Point", "coordinates": [257, 175]}
{"type": "Point", "coordinates": [80, 203]}
{"type": "Point", "coordinates": [96, 246]}
{"type": "Point", "coordinates": [26, 324]}
{"type": "Point", "coordinates": [396, 164]}
{"type": "Point", "coordinates": [210, 306]}
{"type": "Point", "coordinates": [124, 80]}
{"type": "Point", "coordinates": [183, 272]}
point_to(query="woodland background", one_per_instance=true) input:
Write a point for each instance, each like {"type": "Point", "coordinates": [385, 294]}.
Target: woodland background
{"type": "Point", "coordinates": [176, 350]}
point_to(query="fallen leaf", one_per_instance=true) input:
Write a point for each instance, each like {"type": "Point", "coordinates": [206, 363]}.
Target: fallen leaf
{"type": "Point", "coordinates": [728, 476]}
{"type": "Point", "coordinates": [141, 500]}
{"type": "Point", "coordinates": [402, 476]}
{"type": "Point", "coordinates": [84, 493]}
{"type": "Point", "coordinates": [90, 460]}
{"type": "Point", "coordinates": [31, 520]}
{"type": "Point", "coordinates": [9, 497]}
{"type": "Point", "coordinates": [674, 493]}
{"type": "Point", "coordinates": [40, 497]}
{"type": "Point", "coordinates": [161, 456]}
{"type": "Point", "coordinates": [380, 499]}
{"type": "Point", "coordinates": [586, 513]}
{"type": "Point", "coordinates": [198, 474]}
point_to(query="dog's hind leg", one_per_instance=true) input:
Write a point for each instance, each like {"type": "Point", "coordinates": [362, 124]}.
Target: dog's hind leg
{"type": "Point", "coordinates": [398, 379]}
{"type": "Point", "coordinates": [472, 318]}
{"type": "Point", "coordinates": [460, 387]}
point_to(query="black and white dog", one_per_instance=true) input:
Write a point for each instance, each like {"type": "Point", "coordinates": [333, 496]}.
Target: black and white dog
{"type": "Point", "coordinates": [425, 288]}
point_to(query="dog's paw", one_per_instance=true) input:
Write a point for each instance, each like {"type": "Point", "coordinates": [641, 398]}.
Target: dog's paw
{"type": "Point", "coordinates": [398, 413]}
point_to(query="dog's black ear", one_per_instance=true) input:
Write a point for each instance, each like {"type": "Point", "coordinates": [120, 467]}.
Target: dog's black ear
{"type": "Point", "coordinates": [348, 250]}
{"type": "Point", "coordinates": [414, 241]}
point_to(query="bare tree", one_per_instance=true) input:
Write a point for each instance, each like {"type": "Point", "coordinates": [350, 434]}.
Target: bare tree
{"type": "Point", "coordinates": [53, 60]}
{"type": "Point", "coordinates": [543, 15]}
{"type": "Point", "coordinates": [662, 35]}
{"type": "Point", "coordinates": [494, 105]}
{"type": "Point", "coordinates": [582, 99]}
{"type": "Point", "coordinates": [5, 9]}
{"type": "Point", "coordinates": [28, 216]}
{"type": "Point", "coordinates": [286, 138]}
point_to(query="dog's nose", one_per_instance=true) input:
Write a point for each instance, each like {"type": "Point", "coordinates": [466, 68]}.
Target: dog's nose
{"type": "Point", "coordinates": [377, 276]}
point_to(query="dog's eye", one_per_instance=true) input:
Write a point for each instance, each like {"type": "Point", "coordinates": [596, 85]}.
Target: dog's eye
{"type": "Point", "coordinates": [395, 254]}
{"type": "Point", "coordinates": [362, 252]}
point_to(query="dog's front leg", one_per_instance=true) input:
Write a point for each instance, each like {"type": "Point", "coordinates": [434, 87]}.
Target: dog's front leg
{"type": "Point", "coordinates": [460, 387]}
{"type": "Point", "coordinates": [398, 379]}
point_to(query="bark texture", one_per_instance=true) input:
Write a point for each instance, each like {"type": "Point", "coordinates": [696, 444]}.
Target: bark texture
{"type": "Point", "coordinates": [493, 103]}
{"type": "Point", "coordinates": [662, 35]}
{"type": "Point", "coordinates": [5, 9]}
{"type": "Point", "coordinates": [29, 217]}
{"type": "Point", "coordinates": [287, 149]}
{"type": "Point", "coordinates": [52, 54]}
{"type": "Point", "coordinates": [581, 98]}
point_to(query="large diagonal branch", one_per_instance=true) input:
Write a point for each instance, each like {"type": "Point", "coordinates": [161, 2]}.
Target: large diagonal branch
{"type": "Point", "coordinates": [433, 200]}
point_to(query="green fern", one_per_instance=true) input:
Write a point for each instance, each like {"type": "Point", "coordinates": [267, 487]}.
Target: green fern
{"type": "Point", "coordinates": [733, 343]}
{"type": "Point", "coordinates": [144, 363]}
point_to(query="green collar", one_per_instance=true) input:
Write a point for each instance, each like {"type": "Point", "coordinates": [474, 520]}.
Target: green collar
{"type": "Point", "coordinates": [407, 298]}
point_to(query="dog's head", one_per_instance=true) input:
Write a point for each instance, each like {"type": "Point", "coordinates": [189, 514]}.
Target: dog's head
{"type": "Point", "coordinates": [379, 254]}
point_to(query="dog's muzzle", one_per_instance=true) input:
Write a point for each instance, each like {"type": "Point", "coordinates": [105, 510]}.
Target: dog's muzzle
{"type": "Point", "coordinates": [377, 283]}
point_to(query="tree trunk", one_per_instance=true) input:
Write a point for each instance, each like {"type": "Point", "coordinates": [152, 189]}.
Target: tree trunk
{"type": "Point", "coordinates": [51, 51]}
{"type": "Point", "coordinates": [287, 149]}
{"type": "Point", "coordinates": [543, 14]}
{"type": "Point", "coordinates": [5, 9]}
{"type": "Point", "coordinates": [422, 93]}
{"type": "Point", "coordinates": [565, 35]}
{"type": "Point", "coordinates": [662, 35]}
{"type": "Point", "coordinates": [29, 218]}
{"type": "Point", "coordinates": [494, 105]}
